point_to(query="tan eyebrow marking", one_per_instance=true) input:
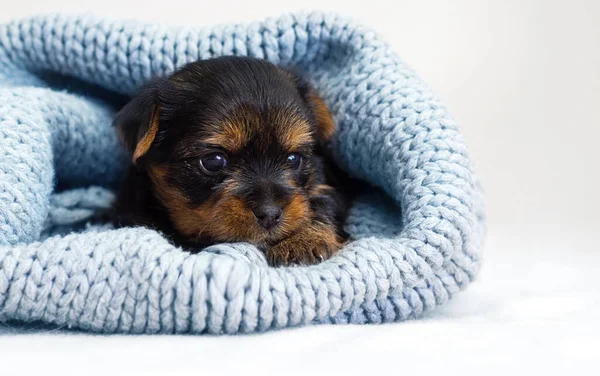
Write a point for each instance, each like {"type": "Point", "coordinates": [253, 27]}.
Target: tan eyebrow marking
{"type": "Point", "coordinates": [232, 136]}
{"type": "Point", "coordinates": [295, 134]}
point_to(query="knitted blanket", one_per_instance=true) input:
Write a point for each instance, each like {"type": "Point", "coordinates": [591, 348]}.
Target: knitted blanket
{"type": "Point", "coordinates": [417, 236]}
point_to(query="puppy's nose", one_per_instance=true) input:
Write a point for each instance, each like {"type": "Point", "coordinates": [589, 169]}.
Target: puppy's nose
{"type": "Point", "coordinates": [268, 215]}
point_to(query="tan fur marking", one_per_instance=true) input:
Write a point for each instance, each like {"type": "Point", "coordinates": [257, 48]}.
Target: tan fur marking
{"type": "Point", "coordinates": [295, 134]}
{"type": "Point", "coordinates": [325, 125]}
{"type": "Point", "coordinates": [144, 144]}
{"type": "Point", "coordinates": [294, 215]}
{"type": "Point", "coordinates": [235, 222]}
{"type": "Point", "coordinates": [183, 217]}
{"type": "Point", "coordinates": [320, 189]}
{"type": "Point", "coordinates": [231, 137]}
{"type": "Point", "coordinates": [189, 222]}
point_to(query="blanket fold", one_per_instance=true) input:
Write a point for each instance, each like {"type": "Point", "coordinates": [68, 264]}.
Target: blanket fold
{"type": "Point", "coordinates": [417, 236]}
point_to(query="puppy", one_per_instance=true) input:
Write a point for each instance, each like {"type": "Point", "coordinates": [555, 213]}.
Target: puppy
{"type": "Point", "coordinates": [233, 149]}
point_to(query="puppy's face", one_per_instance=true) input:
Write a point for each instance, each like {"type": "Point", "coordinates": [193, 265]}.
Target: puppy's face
{"type": "Point", "coordinates": [243, 177]}
{"type": "Point", "coordinates": [231, 147]}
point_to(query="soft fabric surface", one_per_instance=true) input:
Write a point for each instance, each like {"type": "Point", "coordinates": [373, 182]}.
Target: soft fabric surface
{"type": "Point", "coordinates": [540, 312]}
{"type": "Point", "coordinates": [418, 238]}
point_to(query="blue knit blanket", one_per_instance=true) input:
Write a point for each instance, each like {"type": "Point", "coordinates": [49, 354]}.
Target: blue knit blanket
{"type": "Point", "coordinates": [417, 236]}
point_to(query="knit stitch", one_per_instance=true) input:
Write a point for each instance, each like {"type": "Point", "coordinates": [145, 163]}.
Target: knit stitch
{"type": "Point", "coordinates": [418, 235]}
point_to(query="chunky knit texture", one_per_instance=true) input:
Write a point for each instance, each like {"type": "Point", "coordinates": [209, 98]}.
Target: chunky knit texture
{"type": "Point", "coordinates": [418, 235]}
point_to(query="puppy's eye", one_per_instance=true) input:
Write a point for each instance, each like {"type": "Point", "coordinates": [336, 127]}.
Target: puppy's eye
{"type": "Point", "coordinates": [294, 160]}
{"type": "Point", "coordinates": [213, 162]}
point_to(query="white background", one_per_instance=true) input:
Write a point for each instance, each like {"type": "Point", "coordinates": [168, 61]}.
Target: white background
{"type": "Point", "coordinates": [523, 80]}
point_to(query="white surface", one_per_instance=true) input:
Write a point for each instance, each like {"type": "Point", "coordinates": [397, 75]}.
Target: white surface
{"type": "Point", "coordinates": [523, 80]}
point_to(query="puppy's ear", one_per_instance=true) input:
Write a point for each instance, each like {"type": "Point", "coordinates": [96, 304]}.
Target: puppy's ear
{"type": "Point", "coordinates": [138, 122]}
{"type": "Point", "coordinates": [325, 124]}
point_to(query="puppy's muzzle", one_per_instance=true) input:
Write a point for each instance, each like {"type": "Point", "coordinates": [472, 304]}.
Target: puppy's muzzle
{"type": "Point", "coordinates": [267, 201]}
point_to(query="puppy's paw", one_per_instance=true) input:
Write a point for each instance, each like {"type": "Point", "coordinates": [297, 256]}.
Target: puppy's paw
{"type": "Point", "coordinates": [310, 245]}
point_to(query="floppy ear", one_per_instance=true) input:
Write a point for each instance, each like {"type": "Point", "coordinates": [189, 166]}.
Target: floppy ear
{"type": "Point", "coordinates": [138, 122]}
{"type": "Point", "coordinates": [325, 124]}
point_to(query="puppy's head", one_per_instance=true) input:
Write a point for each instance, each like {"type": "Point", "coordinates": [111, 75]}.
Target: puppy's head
{"type": "Point", "coordinates": [231, 147]}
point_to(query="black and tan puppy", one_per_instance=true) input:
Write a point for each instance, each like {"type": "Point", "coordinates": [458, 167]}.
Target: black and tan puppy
{"type": "Point", "coordinates": [233, 149]}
